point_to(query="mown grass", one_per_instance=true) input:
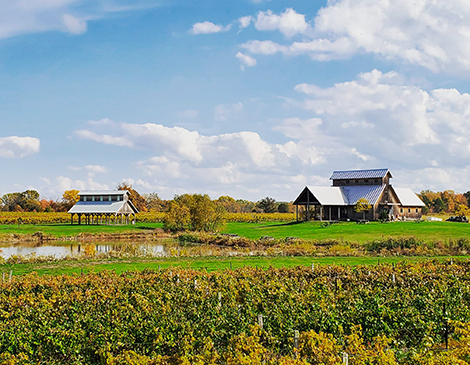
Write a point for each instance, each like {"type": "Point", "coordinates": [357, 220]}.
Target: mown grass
{"type": "Point", "coordinates": [68, 230]}
{"type": "Point", "coordinates": [344, 231]}
{"type": "Point", "coordinates": [352, 232]}
{"type": "Point", "coordinates": [202, 263]}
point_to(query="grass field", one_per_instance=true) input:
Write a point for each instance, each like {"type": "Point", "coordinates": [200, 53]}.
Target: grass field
{"type": "Point", "coordinates": [67, 230]}
{"type": "Point", "coordinates": [203, 263]}
{"type": "Point", "coordinates": [352, 232]}
{"type": "Point", "coordinates": [345, 231]}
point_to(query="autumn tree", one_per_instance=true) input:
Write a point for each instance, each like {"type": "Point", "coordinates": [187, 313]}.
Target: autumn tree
{"type": "Point", "coordinates": [362, 206]}
{"type": "Point", "coordinates": [136, 199]}
{"type": "Point", "coordinates": [27, 201]}
{"type": "Point", "coordinates": [268, 205]}
{"type": "Point", "coordinates": [204, 214]}
{"type": "Point", "coordinates": [229, 203]}
{"type": "Point", "coordinates": [70, 197]}
{"type": "Point", "coordinates": [154, 203]}
{"type": "Point", "coordinates": [283, 207]}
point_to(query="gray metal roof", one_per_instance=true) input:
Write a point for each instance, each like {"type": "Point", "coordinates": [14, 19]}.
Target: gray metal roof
{"type": "Point", "coordinates": [408, 198]}
{"type": "Point", "coordinates": [359, 174]}
{"type": "Point", "coordinates": [370, 192]}
{"type": "Point", "coordinates": [103, 192]}
{"type": "Point", "coordinates": [99, 207]}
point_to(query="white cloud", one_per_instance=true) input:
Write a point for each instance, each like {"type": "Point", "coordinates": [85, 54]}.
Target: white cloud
{"type": "Point", "coordinates": [73, 24]}
{"type": "Point", "coordinates": [70, 16]}
{"type": "Point", "coordinates": [208, 28]}
{"type": "Point", "coordinates": [246, 60]}
{"type": "Point", "coordinates": [63, 183]}
{"type": "Point", "coordinates": [428, 33]}
{"type": "Point", "coordinates": [245, 21]}
{"type": "Point", "coordinates": [289, 23]}
{"type": "Point", "coordinates": [14, 146]}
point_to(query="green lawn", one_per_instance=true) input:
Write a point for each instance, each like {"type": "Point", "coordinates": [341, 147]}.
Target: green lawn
{"type": "Point", "coordinates": [349, 231]}
{"type": "Point", "coordinates": [346, 231]}
{"type": "Point", "coordinates": [203, 263]}
{"type": "Point", "coordinates": [67, 230]}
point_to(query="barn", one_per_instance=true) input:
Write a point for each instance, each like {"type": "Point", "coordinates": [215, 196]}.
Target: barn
{"type": "Point", "coordinates": [337, 202]}
{"type": "Point", "coordinates": [104, 207]}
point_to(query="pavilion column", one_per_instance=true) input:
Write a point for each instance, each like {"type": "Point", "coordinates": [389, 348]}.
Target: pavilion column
{"type": "Point", "coordinates": [339, 214]}
{"type": "Point", "coordinates": [321, 213]}
{"type": "Point", "coordinates": [297, 212]}
{"type": "Point", "coordinates": [329, 209]}
{"type": "Point", "coordinates": [71, 219]}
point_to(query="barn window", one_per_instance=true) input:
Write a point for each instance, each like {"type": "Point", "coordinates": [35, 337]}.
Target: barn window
{"type": "Point", "coordinates": [409, 210]}
{"type": "Point", "coordinates": [101, 198]}
{"type": "Point", "coordinates": [401, 210]}
{"type": "Point", "coordinates": [366, 181]}
{"type": "Point", "coordinates": [356, 181]}
{"type": "Point", "coordinates": [376, 181]}
{"type": "Point", "coordinates": [416, 210]}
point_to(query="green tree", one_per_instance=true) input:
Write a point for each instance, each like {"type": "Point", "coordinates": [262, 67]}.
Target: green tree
{"type": "Point", "coordinates": [136, 199]}
{"type": "Point", "coordinates": [283, 207]}
{"type": "Point", "coordinates": [231, 205]}
{"type": "Point", "coordinates": [438, 205]}
{"type": "Point", "coordinates": [26, 201]}
{"type": "Point", "coordinates": [362, 206]}
{"type": "Point", "coordinates": [268, 205]}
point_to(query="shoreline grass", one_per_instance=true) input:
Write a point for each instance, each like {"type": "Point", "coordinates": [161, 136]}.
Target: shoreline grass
{"type": "Point", "coordinates": [205, 263]}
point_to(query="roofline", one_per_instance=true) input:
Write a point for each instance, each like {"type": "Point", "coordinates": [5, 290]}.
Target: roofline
{"type": "Point", "coordinates": [339, 171]}
{"type": "Point", "coordinates": [103, 192]}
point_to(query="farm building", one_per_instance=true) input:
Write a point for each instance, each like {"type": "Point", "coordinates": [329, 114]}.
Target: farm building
{"type": "Point", "coordinates": [337, 202]}
{"type": "Point", "coordinates": [104, 207]}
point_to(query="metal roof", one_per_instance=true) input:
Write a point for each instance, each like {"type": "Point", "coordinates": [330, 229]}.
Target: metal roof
{"type": "Point", "coordinates": [103, 192]}
{"type": "Point", "coordinates": [370, 192]}
{"type": "Point", "coordinates": [328, 195]}
{"type": "Point", "coordinates": [343, 195]}
{"type": "Point", "coordinates": [100, 207]}
{"type": "Point", "coordinates": [408, 198]}
{"type": "Point", "coordinates": [359, 174]}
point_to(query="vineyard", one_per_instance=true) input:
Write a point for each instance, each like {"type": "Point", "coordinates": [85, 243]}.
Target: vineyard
{"type": "Point", "coordinates": [145, 217]}
{"type": "Point", "coordinates": [385, 314]}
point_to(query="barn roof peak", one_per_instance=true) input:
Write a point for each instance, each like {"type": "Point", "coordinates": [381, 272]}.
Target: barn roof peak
{"type": "Point", "coordinates": [360, 174]}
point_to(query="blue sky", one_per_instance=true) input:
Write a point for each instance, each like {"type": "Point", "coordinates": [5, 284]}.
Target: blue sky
{"type": "Point", "coordinates": [243, 98]}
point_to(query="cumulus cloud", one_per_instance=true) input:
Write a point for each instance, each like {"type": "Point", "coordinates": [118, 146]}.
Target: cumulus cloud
{"type": "Point", "coordinates": [289, 23]}
{"type": "Point", "coordinates": [208, 28]}
{"type": "Point", "coordinates": [382, 117]}
{"type": "Point", "coordinates": [246, 60]}
{"type": "Point", "coordinates": [14, 146]}
{"type": "Point", "coordinates": [63, 183]}
{"type": "Point", "coordinates": [432, 34]}
{"type": "Point", "coordinates": [245, 21]}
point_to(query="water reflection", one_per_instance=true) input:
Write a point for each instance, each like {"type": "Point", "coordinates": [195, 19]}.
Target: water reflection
{"type": "Point", "coordinates": [58, 250]}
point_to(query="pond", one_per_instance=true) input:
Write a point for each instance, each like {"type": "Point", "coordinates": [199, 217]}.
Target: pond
{"type": "Point", "coordinates": [163, 247]}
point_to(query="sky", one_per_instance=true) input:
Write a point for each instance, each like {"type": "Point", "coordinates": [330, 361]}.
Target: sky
{"type": "Point", "coordinates": [246, 98]}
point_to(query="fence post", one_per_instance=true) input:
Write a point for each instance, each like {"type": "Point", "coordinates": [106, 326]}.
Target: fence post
{"type": "Point", "coordinates": [220, 298]}
{"type": "Point", "coordinates": [11, 273]}
{"type": "Point", "coordinates": [260, 321]}
{"type": "Point", "coordinates": [296, 339]}
{"type": "Point", "coordinates": [313, 266]}
{"type": "Point", "coordinates": [345, 358]}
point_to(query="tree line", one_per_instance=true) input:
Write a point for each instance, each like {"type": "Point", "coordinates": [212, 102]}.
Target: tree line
{"type": "Point", "coordinates": [31, 201]}
{"type": "Point", "coordinates": [446, 201]}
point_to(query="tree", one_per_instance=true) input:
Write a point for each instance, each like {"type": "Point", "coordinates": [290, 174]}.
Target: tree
{"type": "Point", "coordinates": [177, 216]}
{"type": "Point", "coordinates": [462, 211]}
{"type": "Point", "coordinates": [283, 208]}
{"type": "Point", "coordinates": [231, 205]}
{"type": "Point", "coordinates": [136, 199]}
{"type": "Point", "coordinates": [154, 203]}
{"type": "Point", "coordinates": [18, 202]}
{"type": "Point", "coordinates": [362, 206]}
{"type": "Point", "coordinates": [268, 205]}
{"type": "Point", "coordinates": [438, 205]}
{"type": "Point", "coordinates": [70, 197]}
{"type": "Point", "coordinates": [204, 214]}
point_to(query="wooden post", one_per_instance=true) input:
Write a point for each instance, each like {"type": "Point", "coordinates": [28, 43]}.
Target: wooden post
{"type": "Point", "coordinates": [345, 358]}
{"type": "Point", "coordinates": [329, 208]}
{"type": "Point", "coordinates": [260, 321]}
{"type": "Point", "coordinates": [339, 214]}
{"type": "Point", "coordinates": [297, 212]}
